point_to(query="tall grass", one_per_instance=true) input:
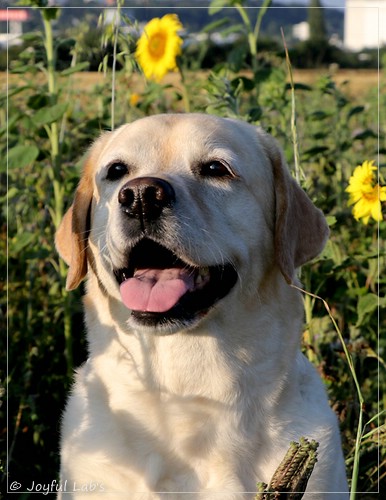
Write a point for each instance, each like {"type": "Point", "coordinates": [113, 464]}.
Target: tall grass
{"type": "Point", "coordinates": [56, 208]}
{"type": "Point", "coordinates": [308, 306]}
{"type": "Point", "coordinates": [324, 132]}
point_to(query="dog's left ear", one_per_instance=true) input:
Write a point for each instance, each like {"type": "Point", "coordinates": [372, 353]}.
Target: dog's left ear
{"type": "Point", "coordinates": [71, 238]}
{"type": "Point", "coordinates": [301, 230]}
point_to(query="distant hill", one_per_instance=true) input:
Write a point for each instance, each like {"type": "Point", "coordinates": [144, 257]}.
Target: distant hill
{"type": "Point", "coordinates": [197, 17]}
{"type": "Point", "coordinates": [279, 15]}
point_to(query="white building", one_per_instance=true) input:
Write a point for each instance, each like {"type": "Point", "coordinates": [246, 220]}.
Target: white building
{"type": "Point", "coordinates": [14, 18]}
{"type": "Point", "coordinates": [364, 24]}
{"type": "Point", "coordinates": [301, 31]}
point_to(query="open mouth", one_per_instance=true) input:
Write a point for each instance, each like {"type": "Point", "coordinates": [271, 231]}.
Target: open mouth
{"type": "Point", "coordinates": [159, 288]}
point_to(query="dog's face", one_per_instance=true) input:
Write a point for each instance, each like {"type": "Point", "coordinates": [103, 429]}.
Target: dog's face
{"type": "Point", "coordinates": [173, 213]}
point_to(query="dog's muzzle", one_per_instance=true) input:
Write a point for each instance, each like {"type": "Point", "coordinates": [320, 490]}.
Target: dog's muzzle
{"type": "Point", "coordinates": [145, 198]}
{"type": "Point", "coordinates": [157, 285]}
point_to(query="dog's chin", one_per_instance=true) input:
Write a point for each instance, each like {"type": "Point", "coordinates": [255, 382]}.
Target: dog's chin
{"type": "Point", "coordinates": [164, 324]}
{"type": "Point", "coordinates": [204, 287]}
{"type": "Point", "coordinates": [184, 316]}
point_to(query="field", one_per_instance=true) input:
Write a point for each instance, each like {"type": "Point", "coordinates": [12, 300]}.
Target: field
{"type": "Point", "coordinates": [359, 81]}
{"type": "Point", "coordinates": [327, 123]}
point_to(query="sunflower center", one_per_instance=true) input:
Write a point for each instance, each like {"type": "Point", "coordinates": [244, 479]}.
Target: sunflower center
{"type": "Point", "coordinates": [157, 45]}
{"type": "Point", "coordinates": [371, 196]}
{"type": "Point", "coordinates": [369, 179]}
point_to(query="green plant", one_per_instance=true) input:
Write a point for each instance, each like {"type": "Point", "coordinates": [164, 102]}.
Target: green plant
{"type": "Point", "coordinates": [51, 121]}
{"type": "Point", "coordinates": [291, 477]}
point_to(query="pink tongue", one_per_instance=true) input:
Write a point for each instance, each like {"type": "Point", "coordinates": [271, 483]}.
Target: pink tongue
{"type": "Point", "coordinates": [156, 290]}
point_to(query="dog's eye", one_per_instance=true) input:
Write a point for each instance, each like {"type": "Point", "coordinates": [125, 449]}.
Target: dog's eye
{"type": "Point", "coordinates": [214, 169]}
{"type": "Point", "coordinates": [116, 171]}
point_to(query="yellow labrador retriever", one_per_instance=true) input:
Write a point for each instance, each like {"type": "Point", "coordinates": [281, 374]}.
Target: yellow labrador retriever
{"type": "Point", "coordinates": [190, 229]}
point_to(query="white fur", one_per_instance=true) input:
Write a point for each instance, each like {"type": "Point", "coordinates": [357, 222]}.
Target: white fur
{"type": "Point", "coordinates": [203, 413]}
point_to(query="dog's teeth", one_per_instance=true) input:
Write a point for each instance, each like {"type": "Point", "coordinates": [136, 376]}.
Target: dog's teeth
{"type": "Point", "coordinates": [202, 275]}
{"type": "Point", "coordinates": [204, 272]}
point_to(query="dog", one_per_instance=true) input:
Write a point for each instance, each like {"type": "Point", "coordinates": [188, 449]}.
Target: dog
{"type": "Point", "coordinates": [190, 230]}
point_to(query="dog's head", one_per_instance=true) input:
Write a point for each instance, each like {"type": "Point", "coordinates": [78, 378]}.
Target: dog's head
{"type": "Point", "coordinates": [173, 211]}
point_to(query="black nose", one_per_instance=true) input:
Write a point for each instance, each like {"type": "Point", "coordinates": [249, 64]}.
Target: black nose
{"type": "Point", "coordinates": [145, 198]}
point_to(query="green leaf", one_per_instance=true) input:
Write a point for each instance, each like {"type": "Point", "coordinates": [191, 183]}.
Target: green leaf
{"type": "Point", "coordinates": [27, 68]}
{"type": "Point", "coordinates": [365, 134]}
{"type": "Point", "coordinates": [20, 242]}
{"type": "Point", "coordinates": [248, 84]}
{"type": "Point", "coordinates": [12, 192]}
{"type": "Point", "coordinates": [20, 156]}
{"type": "Point", "coordinates": [319, 115]}
{"type": "Point", "coordinates": [315, 150]}
{"type": "Point", "coordinates": [355, 110]}
{"type": "Point", "coordinates": [331, 220]}
{"type": "Point", "coordinates": [215, 25]}
{"type": "Point", "coordinates": [255, 114]}
{"type": "Point", "coordinates": [50, 14]}
{"type": "Point", "coordinates": [31, 37]}
{"type": "Point", "coordinates": [14, 91]}
{"type": "Point", "coordinates": [332, 251]}
{"type": "Point", "coordinates": [51, 114]}
{"type": "Point", "coordinates": [34, 3]}
{"type": "Point", "coordinates": [367, 304]}
{"type": "Point", "coordinates": [217, 5]}
{"type": "Point", "coordinates": [299, 86]}
{"type": "Point", "coordinates": [263, 74]}
{"type": "Point", "coordinates": [38, 101]}
{"type": "Point", "coordinates": [78, 67]}
{"type": "Point", "coordinates": [235, 28]}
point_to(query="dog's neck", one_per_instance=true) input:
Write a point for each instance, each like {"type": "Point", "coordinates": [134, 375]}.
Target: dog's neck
{"type": "Point", "coordinates": [183, 364]}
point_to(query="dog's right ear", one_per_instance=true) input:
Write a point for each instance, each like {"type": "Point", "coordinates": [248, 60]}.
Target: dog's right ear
{"type": "Point", "coordinates": [71, 238]}
{"type": "Point", "coordinates": [72, 235]}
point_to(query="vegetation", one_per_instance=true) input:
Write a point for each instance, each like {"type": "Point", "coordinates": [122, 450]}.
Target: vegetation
{"type": "Point", "coordinates": [80, 26]}
{"type": "Point", "coordinates": [290, 479]}
{"type": "Point", "coordinates": [316, 22]}
{"type": "Point", "coordinates": [323, 130]}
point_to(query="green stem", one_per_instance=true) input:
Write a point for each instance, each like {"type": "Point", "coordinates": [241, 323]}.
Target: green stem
{"type": "Point", "coordinates": [67, 324]}
{"type": "Point", "coordinates": [185, 93]}
{"type": "Point", "coordinates": [54, 174]}
{"type": "Point", "coordinates": [52, 90]}
{"type": "Point", "coordinates": [262, 11]}
{"type": "Point", "coordinates": [253, 35]}
{"type": "Point", "coordinates": [116, 21]}
{"type": "Point", "coordinates": [116, 24]}
{"type": "Point", "coordinates": [50, 54]}
{"type": "Point", "coordinates": [295, 142]}
{"type": "Point", "coordinates": [358, 441]}
{"type": "Point", "coordinates": [252, 40]}
{"type": "Point", "coordinates": [308, 308]}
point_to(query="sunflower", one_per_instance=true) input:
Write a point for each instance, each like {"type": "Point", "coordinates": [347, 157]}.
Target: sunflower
{"type": "Point", "coordinates": [159, 46]}
{"type": "Point", "coordinates": [365, 194]}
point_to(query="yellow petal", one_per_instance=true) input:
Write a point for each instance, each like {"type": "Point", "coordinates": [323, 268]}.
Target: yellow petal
{"type": "Point", "coordinates": [159, 46]}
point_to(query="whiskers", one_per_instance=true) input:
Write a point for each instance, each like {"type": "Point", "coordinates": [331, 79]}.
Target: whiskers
{"type": "Point", "coordinates": [193, 244]}
{"type": "Point", "coordinates": [207, 243]}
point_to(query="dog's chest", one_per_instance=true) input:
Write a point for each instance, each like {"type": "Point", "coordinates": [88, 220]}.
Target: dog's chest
{"type": "Point", "coordinates": [177, 444]}
{"type": "Point", "coordinates": [180, 441]}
